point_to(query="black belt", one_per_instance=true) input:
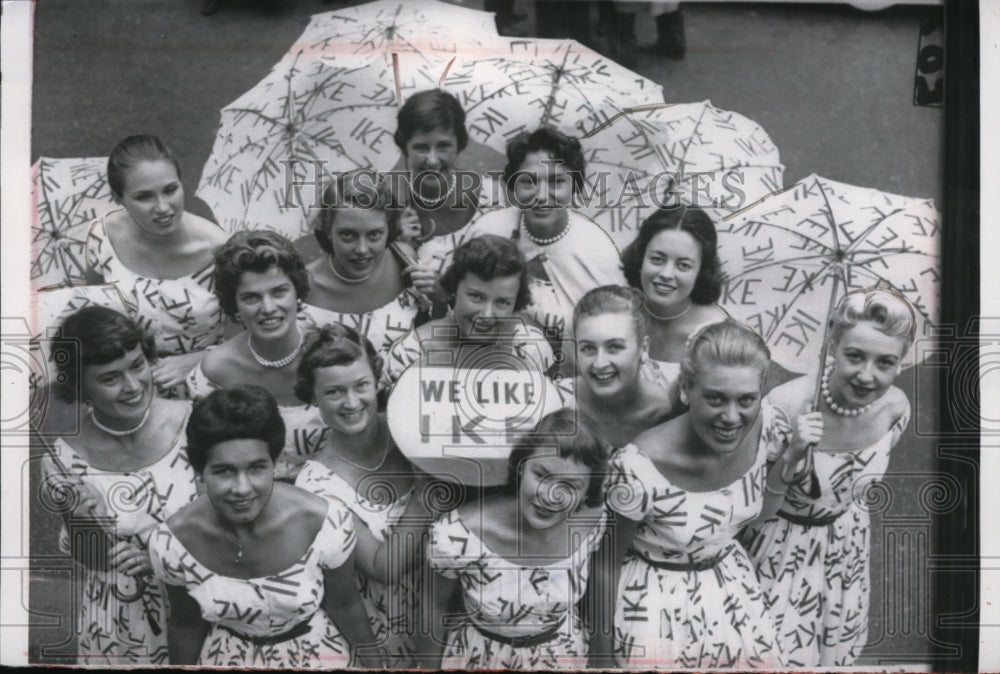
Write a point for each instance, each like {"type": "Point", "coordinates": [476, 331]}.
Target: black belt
{"type": "Point", "coordinates": [299, 630]}
{"type": "Point", "coordinates": [809, 521]}
{"type": "Point", "coordinates": [702, 565]}
{"type": "Point", "coordinates": [523, 642]}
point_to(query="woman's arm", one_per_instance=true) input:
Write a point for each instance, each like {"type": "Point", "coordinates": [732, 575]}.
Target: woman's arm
{"type": "Point", "coordinates": [342, 603]}
{"type": "Point", "coordinates": [169, 371]}
{"type": "Point", "coordinates": [794, 462]}
{"type": "Point", "coordinates": [404, 547]}
{"type": "Point", "coordinates": [186, 629]}
{"type": "Point", "coordinates": [602, 590]}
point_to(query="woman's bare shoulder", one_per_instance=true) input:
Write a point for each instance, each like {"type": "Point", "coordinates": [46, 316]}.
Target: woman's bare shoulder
{"type": "Point", "coordinates": [652, 440]}
{"type": "Point", "coordinates": [301, 502]}
{"type": "Point", "coordinates": [191, 520]}
{"type": "Point", "coordinates": [708, 313]}
{"type": "Point", "coordinates": [204, 230]}
{"type": "Point", "coordinates": [221, 361]}
{"type": "Point", "coordinates": [897, 402]}
{"type": "Point", "coordinates": [793, 397]}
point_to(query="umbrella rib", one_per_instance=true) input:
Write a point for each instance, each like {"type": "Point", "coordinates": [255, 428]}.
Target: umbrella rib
{"type": "Point", "coordinates": [556, 76]}
{"type": "Point", "coordinates": [871, 228]}
{"type": "Point", "coordinates": [833, 220]}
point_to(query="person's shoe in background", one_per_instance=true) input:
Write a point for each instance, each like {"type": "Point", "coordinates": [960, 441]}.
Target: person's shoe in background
{"type": "Point", "coordinates": [670, 40]}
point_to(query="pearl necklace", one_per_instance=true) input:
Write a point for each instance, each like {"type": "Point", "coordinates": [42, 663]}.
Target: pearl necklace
{"type": "Point", "coordinates": [544, 242]}
{"type": "Point", "coordinates": [349, 281]}
{"type": "Point", "coordinates": [828, 399]}
{"type": "Point", "coordinates": [281, 362]}
{"type": "Point", "coordinates": [378, 466]}
{"type": "Point", "coordinates": [426, 204]}
{"type": "Point", "coordinates": [667, 318]}
{"type": "Point", "coordinates": [128, 431]}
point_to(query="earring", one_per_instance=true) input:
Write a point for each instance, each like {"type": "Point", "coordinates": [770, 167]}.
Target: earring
{"type": "Point", "coordinates": [643, 358]}
{"type": "Point", "coordinates": [684, 397]}
{"type": "Point", "coordinates": [299, 304]}
{"type": "Point", "coordinates": [238, 318]}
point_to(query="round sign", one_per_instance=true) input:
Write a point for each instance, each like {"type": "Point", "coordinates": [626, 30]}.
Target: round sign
{"type": "Point", "coordinates": [461, 424]}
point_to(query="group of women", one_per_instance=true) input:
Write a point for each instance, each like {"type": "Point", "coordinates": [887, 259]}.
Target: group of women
{"type": "Point", "coordinates": [680, 510]}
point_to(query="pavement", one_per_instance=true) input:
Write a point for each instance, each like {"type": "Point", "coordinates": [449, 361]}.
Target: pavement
{"type": "Point", "coordinates": [832, 85]}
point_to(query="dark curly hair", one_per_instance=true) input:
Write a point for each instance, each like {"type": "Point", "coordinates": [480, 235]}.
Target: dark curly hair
{"type": "Point", "coordinates": [132, 150]}
{"type": "Point", "coordinates": [697, 223]}
{"type": "Point", "coordinates": [574, 436]}
{"type": "Point", "coordinates": [358, 189]}
{"type": "Point", "coordinates": [488, 257]}
{"type": "Point", "coordinates": [561, 147]}
{"type": "Point", "coordinates": [244, 412]}
{"type": "Point", "coordinates": [255, 251]}
{"type": "Point", "coordinates": [101, 335]}
{"type": "Point", "coordinates": [427, 111]}
{"type": "Point", "coordinates": [333, 344]}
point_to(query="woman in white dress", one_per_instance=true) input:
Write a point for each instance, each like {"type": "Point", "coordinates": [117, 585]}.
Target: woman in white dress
{"type": "Point", "coordinates": [612, 344]}
{"type": "Point", "coordinates": [360, 281]}
{"type": "Point", "coordinates": [259, 573]}
{"type": "Point", "coordinates": [674, 261]}
{"type": "Point", "coordinates": [159, 256]}
{"type": "Point", "coordinates": [688, 595]}
{"type": "Point", "coordinates": [441, 186]}
{"type": "Point", "coordinates": [813, 558]}
{"type": "Point", "coordinates": [487, 287]}
{"type": "Point", "coordinates": [119, 476]}
{"type": "Point", "coordinates": [567, 254]}
{"type": "Point", "coordinates": [520, 560]}
{"type": "Point", "coordinates": [261, 281]}
{"type": "Point", "coordinates": [361, 466]}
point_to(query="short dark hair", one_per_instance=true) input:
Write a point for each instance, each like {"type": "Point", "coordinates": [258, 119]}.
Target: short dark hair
{"type": "Point", "coordinates": [563, 148]}
{"type": "Point", "coordinates": [244, 412]}
{"type": "Point", "coordinates": [132, 150]}
{"type": "Point", "coordinates": [256, 251]}
{"type": "Point", "coordinates": [333, 344]}
{"type": "Point", "coordinates": [427, 111]}
{"type": "Point", "coordinates": [101, 335]}
{"type": "Point", "coordinates": [697, 223]}
{"type": "Point", "coordinates": [575, 437]}
{"type": "Point", "coordinates": [351, 189]}
{"type": "Point", "coordinates": [488, 257]}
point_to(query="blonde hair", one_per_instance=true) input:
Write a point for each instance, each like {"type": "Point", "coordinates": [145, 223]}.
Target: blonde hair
{"type": "Point", "coordinates": [888, 310]}
{"type": "Point", "coordinates": [727, 343]}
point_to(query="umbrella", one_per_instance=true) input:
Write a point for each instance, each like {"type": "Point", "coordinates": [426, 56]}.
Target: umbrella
{"type": "Point", "coordinates": [68, 194]}
{"type": "Point", "coordinates": [787, 258]}
{"type": "Point", "coordinates": [329, 105]}
{"type": "Point", "coordinates": [388, 26]}
{"type": "Point", "coordinates": [522, 84]}
{"type": "Point", "coordinates": [670, 154]}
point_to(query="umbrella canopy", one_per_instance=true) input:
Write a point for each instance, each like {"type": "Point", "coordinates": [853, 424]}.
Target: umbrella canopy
{"type": "Point", "coordinates": [68, 195]}
{"type": "Point", "coordinates": [668, 154]}
{"type": "Point", "coordinates": [782, 255]}
{"type": "Point", "coordinates": [521, 84]}
{"type": "Point", "coordinates": [387, 26]}
{"type": "Point", "coordinates": [330, 105]}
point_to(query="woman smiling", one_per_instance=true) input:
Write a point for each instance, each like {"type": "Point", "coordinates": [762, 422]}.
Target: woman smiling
{"type": "Point", "coordinates": [689, 485]}
{"type": "Point", "coordinates": [126, 463]}
{"type": "Point", "coordinates": [261, 281]}
{"type": "Point", "coordinates": [259, 573]}
{"type": "Point", "coordinates": [361, 280]}
{"type": "Point", "coordinates": [160, 256]}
